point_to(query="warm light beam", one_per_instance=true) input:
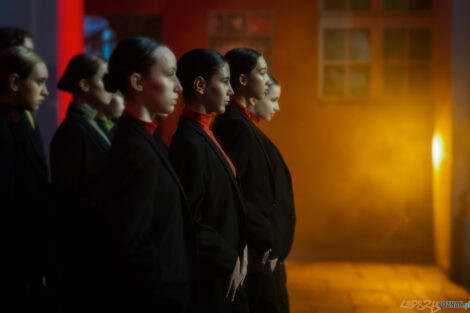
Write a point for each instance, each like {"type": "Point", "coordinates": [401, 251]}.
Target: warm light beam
{"type": "Point", "coordinates": [437, 151]}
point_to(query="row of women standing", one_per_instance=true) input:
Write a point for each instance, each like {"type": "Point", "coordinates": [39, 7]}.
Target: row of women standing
{"type": "Point", "coordinates": [203, 226]}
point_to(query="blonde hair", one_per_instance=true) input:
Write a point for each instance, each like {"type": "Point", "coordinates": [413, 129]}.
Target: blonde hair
{"type": "Point", "coordinates": [17, 60]}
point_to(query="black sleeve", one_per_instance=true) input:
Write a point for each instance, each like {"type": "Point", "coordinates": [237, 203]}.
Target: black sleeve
{"type": "Point", "coordinates": [253, 174]}
{"type": "Point", "coordinates": [10, 230]}
{"type": "Point", "coordinates": [190, 164]}
{"type": "Point", "coordinates": [7, 171]}
{"type": "Point", "coordinates": [128, 202]}
{"type": "Point", "coordinates": [67, 151]}
{"type": "Point", "coordinates": [71, 208]}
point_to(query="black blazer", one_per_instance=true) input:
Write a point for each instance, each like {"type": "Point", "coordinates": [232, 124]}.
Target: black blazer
{"type": "Point", "coordinates": [213, 196]}
{"type": "Point", "coordinates": [147, 230]}
{"type": "Point", "coordinates": [241, 138]}
{"type": "Point", "coordinates": [217, 208]}
{"type": "Point", "coordinates": [24, 190]}
{"type": "Point", "coordinates": [78, 155]}
{"type": "Point", "coordinates": [284, 207]}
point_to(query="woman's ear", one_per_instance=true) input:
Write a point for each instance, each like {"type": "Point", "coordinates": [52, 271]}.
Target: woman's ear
{"type": "Point", "coordinates": [14, 82]}
{"type": "Point", "coordinates": [243, 79]}
{"type": "Point", "coordinates": [84, 85]}
{"type": "Point", "coordinates": [135, 80]}
{"type": "Point", "coordinates": [199, 85]}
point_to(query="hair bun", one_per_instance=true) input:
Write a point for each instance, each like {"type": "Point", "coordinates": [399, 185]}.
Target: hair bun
{"type": "Point", "coordinates": [64, 84]}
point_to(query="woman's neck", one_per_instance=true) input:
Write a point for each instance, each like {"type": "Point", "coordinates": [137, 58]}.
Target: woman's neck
{"type": "Point", "coordinates": [242, 99]}
{"type": "Point", "coordinates": [249, 103]}
{"type": "Point", "coordinates": [195, 105]}
{"type": "Point", "coordinates": [251, 106]}
{"type": "Point", "coordinates": [82, 101]}
{"type": "Point", "coordinates": [138, 110]}
{"type": "Point", "coordinates": [8, 101]}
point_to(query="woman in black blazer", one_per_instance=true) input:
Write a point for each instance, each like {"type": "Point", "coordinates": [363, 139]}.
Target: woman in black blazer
{"type": "Point", "coordinates": [241, 138]}
{"type": "Point", "coordinates": [284, 208]}
{"type": "Point", "coordinates": [79, 150]}
{"type": "Point", "coordinates": [147, 230]}
{"type": "Point", "coordinates": [209, 179]}
{"type": "Point", "coordinates": [24, 186]}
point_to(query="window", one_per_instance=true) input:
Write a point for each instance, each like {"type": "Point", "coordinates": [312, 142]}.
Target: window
{"type": "Point", "coordinates": [231, 29]}
{"type": "Point", "coordinates": [374, 50]}
{"type": "Point", "coordinates": [406, 59]}
{"type": "Point", "coordinates": [346, 58]}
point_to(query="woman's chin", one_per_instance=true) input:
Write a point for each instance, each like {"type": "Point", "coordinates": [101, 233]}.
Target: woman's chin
{"type": "Point", "coordinates": [170, 109]}
{"type": "Point", "coordinates": [221, 110]}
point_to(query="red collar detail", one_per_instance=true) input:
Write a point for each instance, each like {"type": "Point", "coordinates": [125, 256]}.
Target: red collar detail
{"type": "Point", "coordinates": [203, 119]}
{"type": "Point", "coordinates": [149, 126]}
{"type": "Point", "coordinates": [250, 115]}
{"type": "Point", "coordinates": [15, 115]}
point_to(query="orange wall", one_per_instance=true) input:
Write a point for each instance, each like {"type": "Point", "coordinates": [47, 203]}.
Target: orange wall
{"type": "Point", "coordinates": [362, 171]}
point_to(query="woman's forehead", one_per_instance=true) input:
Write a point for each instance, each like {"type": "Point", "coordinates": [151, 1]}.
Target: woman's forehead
{"type": "Point", "coordinates": [164, 56]}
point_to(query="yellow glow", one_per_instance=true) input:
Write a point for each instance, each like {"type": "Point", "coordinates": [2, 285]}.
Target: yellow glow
{"type": "Point", "coordinates": [437, 151]}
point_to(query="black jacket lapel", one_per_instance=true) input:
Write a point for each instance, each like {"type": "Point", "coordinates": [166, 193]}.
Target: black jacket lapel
{"type": "Point", "coordinates": [162, 154]}
{"type": "Point", "coordinates": [258, 134]}
{"type": "Point", "coordinates": [33, 136]}
{"type": "Point", "coordinates": [214, 147]}
{"type": "Point", "coordinates": [221, 157]}
{"type": "Point", "coordinates": [76, 115]}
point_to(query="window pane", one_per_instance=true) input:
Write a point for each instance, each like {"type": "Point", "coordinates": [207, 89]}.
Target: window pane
{"type": "Point", "coordinates": [419, 78]}
{"type": "Point", "coordinates": [360, 5]}
{"type": "Point", "coordinates": [333, 80]}
{"type": "Point", "coordinates": [358, 80]}
{"type": "Point", "coordinates": [420, 44]}
{"type": "Point", "coordinates": [394, 44]}
{"type": "Point", "coordinates": [359, 42]}
{"type": "Point", "coordinates": [394, 78]}
{"type": "Point", "coordinates": [334, 44]}
{"type": "Point", "coordinates": [394, 4]}
{"type": "Point", "coordinates": [420, 4]}
{"type": "Point", "coordinates": [334, 5]}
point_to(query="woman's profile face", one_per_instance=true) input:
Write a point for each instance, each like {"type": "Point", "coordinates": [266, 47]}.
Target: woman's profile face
{"type": "Point", "coordinates": [32, 90]}
{"type": "Point", "coordinates": [218, 90]}
{"type": "Point", "coordinates": [116, 106]}
{"type": "Point", "coordinates": [258, 81]}
{"type": "Point", "coordinates": [160, 85]}
{"type": "Point", "coordinates": [98, 94]}
{"type": "Point", "coordinates": [269, 105]}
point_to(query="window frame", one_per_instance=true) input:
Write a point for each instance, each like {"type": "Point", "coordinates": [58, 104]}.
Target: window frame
{"type": "Point", "coordinates": [376, 20]}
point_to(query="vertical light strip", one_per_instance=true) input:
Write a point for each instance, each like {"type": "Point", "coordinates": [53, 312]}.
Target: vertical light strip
{"type": "Point", "coordinates": [70, 41]}
{"type": "Point", "coordinates": [437, 151]}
